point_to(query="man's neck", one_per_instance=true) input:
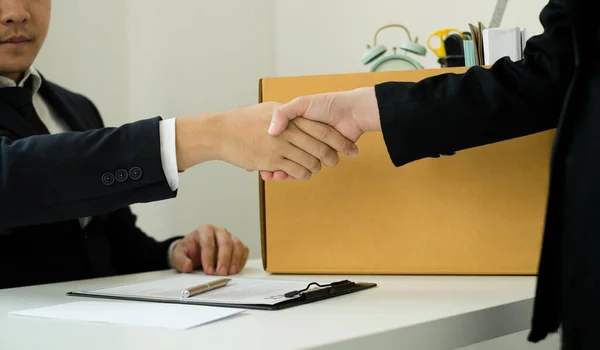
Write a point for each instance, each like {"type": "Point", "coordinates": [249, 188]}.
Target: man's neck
{"type": "Point", "coordinates": [16, 77]}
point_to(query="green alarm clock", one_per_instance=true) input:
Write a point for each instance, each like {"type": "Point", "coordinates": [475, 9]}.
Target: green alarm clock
{"type": "Point", "coordinates": [395, 61]}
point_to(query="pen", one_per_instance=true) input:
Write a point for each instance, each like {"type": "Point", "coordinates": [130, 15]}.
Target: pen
{"type": "Point", "coordinates": [205, 287]}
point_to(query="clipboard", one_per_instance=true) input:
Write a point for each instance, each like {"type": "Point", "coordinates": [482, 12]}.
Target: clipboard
{"type": "Point", "coordinates": [281, 297]}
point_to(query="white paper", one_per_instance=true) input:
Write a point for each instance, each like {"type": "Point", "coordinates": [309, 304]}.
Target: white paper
{"type": "Point", "coordinates": [238, 291]}
{"type": "Point", "coordinates": [146, 314]}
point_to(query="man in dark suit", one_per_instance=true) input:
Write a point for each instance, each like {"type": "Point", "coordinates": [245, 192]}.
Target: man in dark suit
{"type": "Point", "coordinates": [556, 85]}
{"type": "Point", "coordinates": [66, 181]}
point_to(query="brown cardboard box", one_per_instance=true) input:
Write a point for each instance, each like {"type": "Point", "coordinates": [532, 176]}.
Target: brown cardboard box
{"type": "Point", "coordinates": [480, 211]}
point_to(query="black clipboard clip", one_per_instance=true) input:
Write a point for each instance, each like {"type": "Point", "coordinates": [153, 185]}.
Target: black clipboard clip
{"type": "Point", "coordinates": [324, 290]}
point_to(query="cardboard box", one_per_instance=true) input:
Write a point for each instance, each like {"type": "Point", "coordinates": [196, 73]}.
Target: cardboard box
{"type": "Point", "coordinates": [480, 211]}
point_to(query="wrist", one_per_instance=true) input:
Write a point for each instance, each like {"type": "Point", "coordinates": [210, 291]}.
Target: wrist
{"type": "Point", "coordinates": [196, 140]}
{"type": "Point", "coordinates": [170, 255]}
{"type": "Point", "coordinates": [366, 111]}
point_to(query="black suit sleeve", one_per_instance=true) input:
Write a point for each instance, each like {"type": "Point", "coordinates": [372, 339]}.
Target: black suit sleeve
{"type": "Point", "coordinates": [450, 112]}
{"type": "Point", "coordinates": [131, 249]}
{"type": "Point", "coordinates": [49, 178]}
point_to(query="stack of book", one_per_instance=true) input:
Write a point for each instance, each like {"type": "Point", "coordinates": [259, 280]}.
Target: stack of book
{"type": "Point", "coordinates": [487, 45]}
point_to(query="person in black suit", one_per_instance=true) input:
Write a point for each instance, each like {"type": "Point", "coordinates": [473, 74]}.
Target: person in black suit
{"type": "Point", "coordinates": [66, 181]}
{"type": "Point", "coordinates": [555, 85]}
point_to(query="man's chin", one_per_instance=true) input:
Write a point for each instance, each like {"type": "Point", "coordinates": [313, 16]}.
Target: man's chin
{"type": "Point", "coordinates": [14, 70]}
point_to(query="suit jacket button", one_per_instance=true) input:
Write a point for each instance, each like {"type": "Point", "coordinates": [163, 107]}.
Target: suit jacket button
{"type": "Point", "coordinates": [108, 179]}
{"type": "Point", "coordinates": [121, 175]}
{"type": "Point", "coordinates": [135, 173]}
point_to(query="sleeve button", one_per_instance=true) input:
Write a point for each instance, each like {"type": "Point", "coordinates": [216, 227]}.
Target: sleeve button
{"type": "Point", "coordinates": [108, 179]}
{"type": "Point", "coordinates": [121, 175]}
{"type": "Point", "coordinates": [135, 173]}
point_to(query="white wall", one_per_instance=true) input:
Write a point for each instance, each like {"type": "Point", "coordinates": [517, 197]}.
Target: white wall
{"type": "Point", "coordinates": [141, 58]}
{"type": "Point", "coordinates": [85, 54]}
{"type": "Point", "coordinates": [330, 36]}
{"type": "Point", "coordinates": [196, 56]}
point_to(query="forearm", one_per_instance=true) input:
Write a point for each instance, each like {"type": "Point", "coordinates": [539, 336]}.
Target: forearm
{"type": "Point", "coordinates": [198, 140]}
{"type": "Point", "coordinates": [57, 177]}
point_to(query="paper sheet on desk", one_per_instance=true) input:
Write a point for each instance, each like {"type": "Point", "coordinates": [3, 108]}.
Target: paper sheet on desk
{"type": "Point", "coordinates": [135, 314]}
{"type": "Point", "coordinates": [239, 291]}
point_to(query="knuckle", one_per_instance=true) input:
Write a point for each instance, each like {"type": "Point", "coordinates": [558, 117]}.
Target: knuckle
{"type": "Point", "coordinates": [209, 243]}
{"type": "Point", "coordinates": [225, 231]}
{"type": "Point", "coordinates": [274, 162]}
{"type": "Point", "coordinates": [300, 100]}
{"type": "Point", "coordinates": [323, 151]}
{"type": "Point", "coordinates": [304, 174]}
{"type": "Point", "coordinates": [204, 228]}
{"type": "Point", "coordinates": [321, 131]}
{"type": "Point", "coordinates": [347, 144]}
{"type": "Point", "coordinates": [315, 165]}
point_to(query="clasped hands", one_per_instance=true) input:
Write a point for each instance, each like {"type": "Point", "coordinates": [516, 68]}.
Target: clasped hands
{"type": "Point", "coordinates": [342, 117]}
{"type": "Point", "coordinates": [282, 141]}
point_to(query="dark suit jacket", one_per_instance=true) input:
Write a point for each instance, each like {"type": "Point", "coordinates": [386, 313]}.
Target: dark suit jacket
{"type": "Point", "coordinates": [47, 182]}
{"type": "Point", "coordinates": [556, 85]}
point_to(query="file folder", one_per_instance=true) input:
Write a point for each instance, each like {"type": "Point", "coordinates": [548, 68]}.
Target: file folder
{"type": "Point", "coordinates": [245, 293]}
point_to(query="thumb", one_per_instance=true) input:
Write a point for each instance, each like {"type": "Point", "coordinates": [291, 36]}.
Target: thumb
{"type": "Point", "coordinates": [188, 265]}
{"type": "Point", "coordinates": [182, 261]}
{"type": "Point", "coordinates": [281, 116]}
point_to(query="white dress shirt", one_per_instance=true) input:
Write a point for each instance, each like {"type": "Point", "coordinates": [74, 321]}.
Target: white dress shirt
{"type": "Point", "coordinates": [55, 124]}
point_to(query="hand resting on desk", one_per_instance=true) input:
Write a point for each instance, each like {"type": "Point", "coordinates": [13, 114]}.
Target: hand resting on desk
{"type": "Point", "coordinates": [211, 248]}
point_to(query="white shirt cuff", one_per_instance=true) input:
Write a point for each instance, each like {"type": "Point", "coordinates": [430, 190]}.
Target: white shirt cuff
{"type": "Point", "coordinates": [168, 152]}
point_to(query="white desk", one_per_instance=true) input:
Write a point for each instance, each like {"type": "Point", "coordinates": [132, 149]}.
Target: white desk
{"type": "Point", "coordinates": [401, 313]}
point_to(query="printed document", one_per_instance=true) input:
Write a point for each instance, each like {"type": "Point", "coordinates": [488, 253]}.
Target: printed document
{"type": "Point", "coordinates": [241, 291]}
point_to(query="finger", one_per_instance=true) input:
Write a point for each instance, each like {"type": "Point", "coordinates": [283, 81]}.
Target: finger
{"type": "Point", "coordinates": [275, 175]}
{"type": "Point", "coordinates": [266, 175]}
{"type": "Point", "coordinates": [315, 147]}
{"type": "Point", "coordinates": [191, 249]}
{"type": "Point", "coordinates": [287, 112]}
{"type": "Point", "coordinates": [296, 170]}
{"type": "Point", "coordinates": [280, 176]}
{"type": "Point", "coordinates": [225, 251]}
{"type": "Point", "coordinates": [327, 135]}
{"type": "Point", "coordinates": [236, 255]}
{"type": "Point", "coordinates": [244, 259]}
{"type": "Point", "coordinates": [181, 261]}
{"type": "Point", "coordinates": [206, 240]}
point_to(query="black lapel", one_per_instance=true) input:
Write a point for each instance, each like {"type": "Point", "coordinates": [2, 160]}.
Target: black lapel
{"type": "Point", "coordinates": [62, 106]}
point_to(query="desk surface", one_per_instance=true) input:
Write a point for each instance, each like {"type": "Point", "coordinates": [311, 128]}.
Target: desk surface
{"type": "Point", "coordinates": [424, 312]}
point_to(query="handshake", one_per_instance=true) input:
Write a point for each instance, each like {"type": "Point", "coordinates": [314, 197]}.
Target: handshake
{"type": "Point", "coordinates": [282, 141]}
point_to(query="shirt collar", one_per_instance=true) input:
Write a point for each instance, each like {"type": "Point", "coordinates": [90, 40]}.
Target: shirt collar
{"type": "Point", "coordinates": [32, 73]}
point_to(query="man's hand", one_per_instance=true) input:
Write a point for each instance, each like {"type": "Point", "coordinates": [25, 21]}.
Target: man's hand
{"type": "Point", "coordinates": [352, 113]}
{"type": "Point", "coordinates": [211, 248]}
{"type": "Point", "coordinates": [238, 137]}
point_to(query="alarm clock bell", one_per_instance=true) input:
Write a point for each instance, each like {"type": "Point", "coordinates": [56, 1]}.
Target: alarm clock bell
{"type": "Point", "coordinates": [375, 53]}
